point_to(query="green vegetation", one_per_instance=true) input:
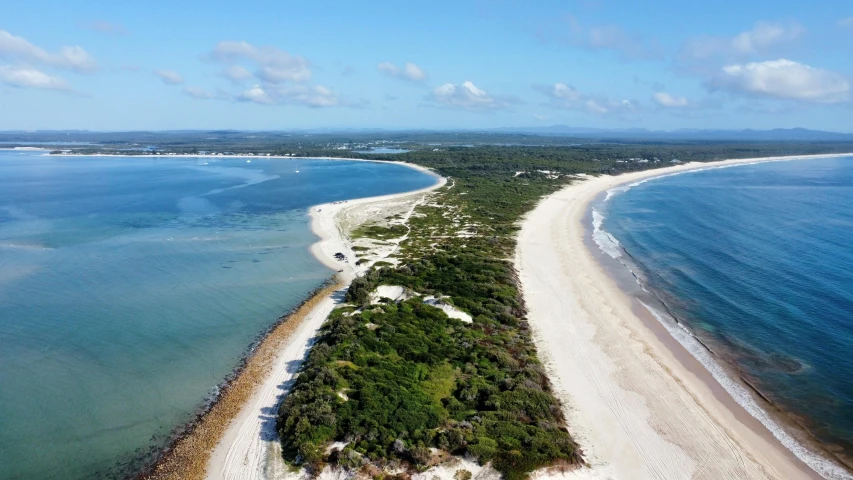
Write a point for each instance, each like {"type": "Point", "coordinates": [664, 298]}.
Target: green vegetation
{"type": "Point", "coordinates": [462, 475]}
{"type": "Point", "coordinates": [397, 379]}
{"type": "Point", "coordinates": [393, 381]}
{"type": "Point", "coordinates": [380, 232]}
{"type": "Point", "coordinates": [548, 149]}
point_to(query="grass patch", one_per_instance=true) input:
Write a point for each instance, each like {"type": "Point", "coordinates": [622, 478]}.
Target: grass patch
{"type": "Point", "coordinates": [378, 232]}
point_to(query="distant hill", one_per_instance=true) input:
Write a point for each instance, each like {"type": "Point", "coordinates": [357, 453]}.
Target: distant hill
{"type": "Point", "coordinates": [776, 134]}
{"type": "Point", "coordinates": [506, 135]}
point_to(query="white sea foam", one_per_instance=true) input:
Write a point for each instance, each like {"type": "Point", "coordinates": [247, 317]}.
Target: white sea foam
{"type": "Point", "coordinates": [609, 244]}
{"type": "Point", "coordinates": [823, 466]}
{"type": "Point", "coordinates": [624, 188]}
{"type": "Point", "coordinates": [605, 241]}
{"type": "Point", "coordinates": [615, 191]}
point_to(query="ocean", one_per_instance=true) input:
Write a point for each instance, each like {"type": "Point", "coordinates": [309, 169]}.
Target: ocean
{"type": "Point", "coordinates": [754, 262]}
{"type": "Point", "coordinates": [131, 287]}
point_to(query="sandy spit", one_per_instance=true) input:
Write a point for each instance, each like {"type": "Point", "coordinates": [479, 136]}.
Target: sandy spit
{"type": "Point", "coordinates": [634, 401]}
{"type": "Point", "coordinates": [249, 447]}
{"type": "Point", "coordinates": [236, 437]}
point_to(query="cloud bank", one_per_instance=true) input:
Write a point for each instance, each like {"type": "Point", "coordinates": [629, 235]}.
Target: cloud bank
{"type": "Point", "coordinates": [566, 97]}
{"type": "Point", "coordinates": [23, 57]}
{"type": "Point", "coordinates": [279, 78]}
{"type": "Point", "coordinates": [784, 79]}
{"type": "Point", "coordinates": [26, 77]}
{"type": "Point", "coordinates": [666, 100]}
{"type": "Point", "coordinates": [467, 96]}
{"type": "Point", "coordinates": [764, 38]}
{"type": "Point", "coordinates": [310, 96]}
{"type": "Point", "coordinates": [409, 72]}
{"type": "Point", "coordinates": [68, 58]}
{"type": "Point", "coordinates": [169, 77]}
{"type": "Point", "coordinates": [273, 64]}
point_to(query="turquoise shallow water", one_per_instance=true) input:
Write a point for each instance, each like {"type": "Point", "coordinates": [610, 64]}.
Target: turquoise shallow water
{"type": "Point", "coordinates": [130, 287]}
{"type": "Point", "coordinates": [757, 262]}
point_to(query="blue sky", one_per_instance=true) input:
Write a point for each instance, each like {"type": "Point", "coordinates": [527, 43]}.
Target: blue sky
{"type": "Point", "coordinates": [661, 64]}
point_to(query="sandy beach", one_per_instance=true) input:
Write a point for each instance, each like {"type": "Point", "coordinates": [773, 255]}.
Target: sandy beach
{"type": "Point", "coordinates": [250, 449]}
{"type": "Point", "coordinates": [637, 402]}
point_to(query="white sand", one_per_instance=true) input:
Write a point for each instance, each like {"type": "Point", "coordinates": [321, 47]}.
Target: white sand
{"type": "Point", "coordinates": [448, 471]}
{"type": "Point", "coordinates": [250, 448]}
{"type": "Point", "coordinates": [398, 294]}
{"type": "Point", "coordinates": [394, 293]}
{"type": "Point", "coordinates": [331, 221]}
{"type": "Point", "coordinates": [632, 403]}
{"type": "Point", "coordinates": [448, 309]}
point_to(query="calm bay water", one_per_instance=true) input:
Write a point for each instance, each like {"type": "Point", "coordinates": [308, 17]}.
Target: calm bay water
{"type": "Point", "coordinates": [130, 287]}
{"type": "Point", "coordinates": [757, 262]}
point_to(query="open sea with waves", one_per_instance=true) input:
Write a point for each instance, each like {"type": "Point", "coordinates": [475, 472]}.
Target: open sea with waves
{"type": "Point", "coordinates": [131, 287]}
{"type": "Point", "coordinates": [756, 263]}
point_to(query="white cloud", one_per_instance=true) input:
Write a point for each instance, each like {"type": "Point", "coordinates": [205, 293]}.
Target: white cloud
{"type": "Point", "coordinates": [28, 77]}
{"type": "Point", "coordinates": [279, 78]}
{"type": "Point", "coordinates": [467, 96]}
{"type": "Point", "coordinates": [169, 77]}
{"type": "Point", "coordinates": [274, 74]}
{"type": "Point", "coordinates": [846, 23]}
{"type": "Point", "coordinates": [762, 38]}
{"type": "Point", "coordinates": [255, 94]}
{"type": "Point", "coordinates": [669, 101]}
{"type": "Point", "coordinates": [784, 79]}
{"type": "Point", "coordinates": [568, 97]}
{"type": "Point", "coordinates": [310, 96]}
{"type": "Point", "coordinates": [274, 65]}
{"type": "Point", "coordinates": [410, 71]}
{"type": "Point", "coordinates": [236, 73]}
{"type": "Point", "coordinates": [69, 58]}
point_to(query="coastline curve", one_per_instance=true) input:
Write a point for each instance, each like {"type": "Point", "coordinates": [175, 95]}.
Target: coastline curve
{"type": "Point", "coordinates": [248, 448]}
{"type": "Point", "coordinates": [623, 424]}
{"type": "Point", "coordinates": [234, 436]}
